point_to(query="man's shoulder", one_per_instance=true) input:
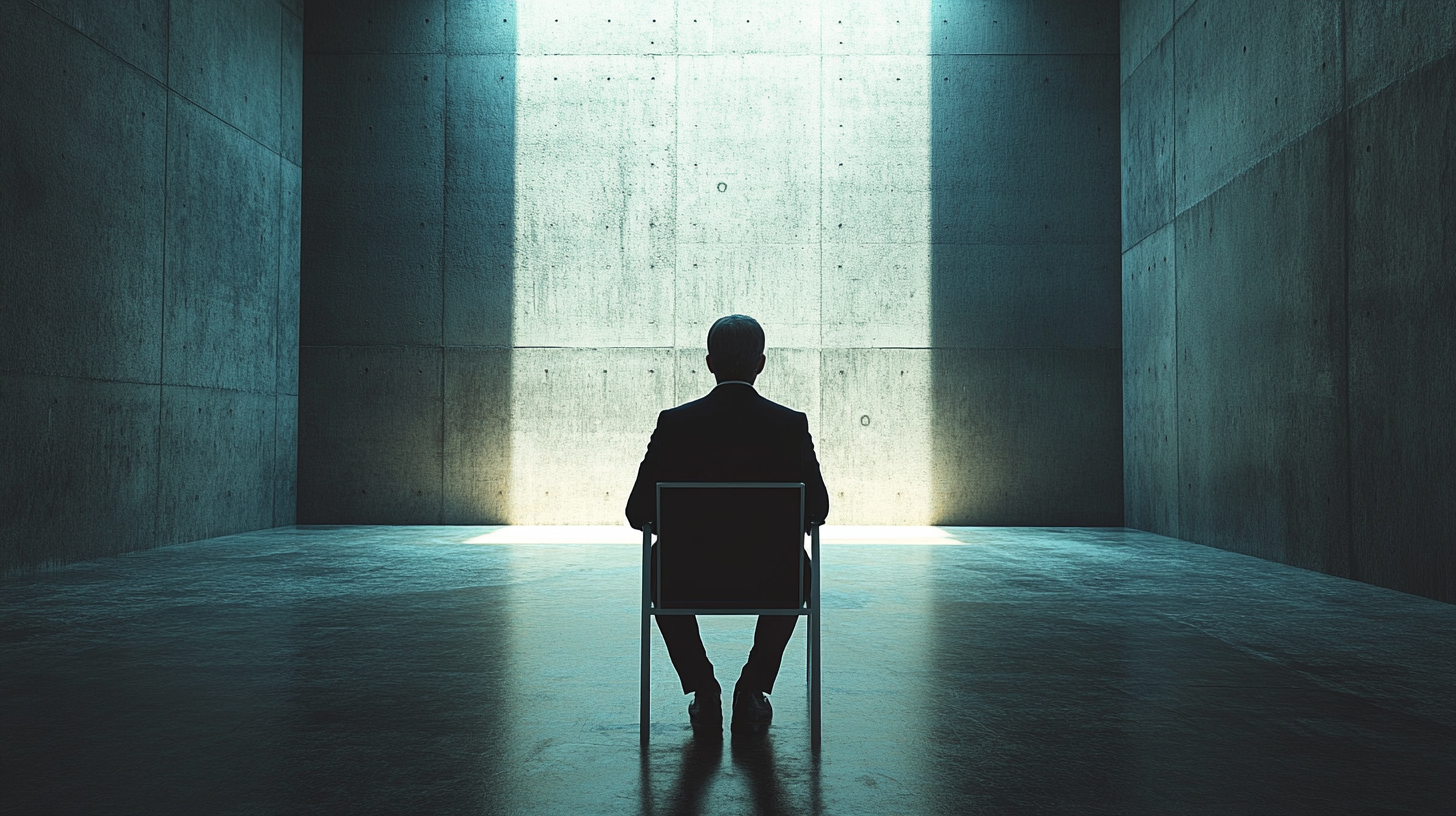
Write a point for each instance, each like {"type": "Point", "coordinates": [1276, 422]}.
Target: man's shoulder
{"type": "Point", "coordinates": [717, 402]}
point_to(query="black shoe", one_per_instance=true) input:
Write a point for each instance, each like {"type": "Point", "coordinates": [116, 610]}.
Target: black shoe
{"type": "Point", "coordinates": [705, 712]}
{"type": "Point", "coordinates": [751, 711]}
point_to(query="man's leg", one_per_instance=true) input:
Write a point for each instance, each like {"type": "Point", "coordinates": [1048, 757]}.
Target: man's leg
{"type": "Point", "coordinates": [685, 647]}
{"type": "Point", "coordinates": [769, 641]}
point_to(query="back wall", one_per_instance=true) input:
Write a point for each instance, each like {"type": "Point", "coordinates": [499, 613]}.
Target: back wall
{"type": "Point", "coordinates": [520, 222]}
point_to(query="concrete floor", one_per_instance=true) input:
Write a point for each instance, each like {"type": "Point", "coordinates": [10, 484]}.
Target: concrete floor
{"type": "Point", "coordinates": [486, 670]}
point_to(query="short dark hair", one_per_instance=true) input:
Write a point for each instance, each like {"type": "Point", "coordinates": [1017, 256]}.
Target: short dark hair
{"type": "Point", "coordinates": [735, 343]}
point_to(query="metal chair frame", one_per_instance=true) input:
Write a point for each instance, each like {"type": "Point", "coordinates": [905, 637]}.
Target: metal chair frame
{"type": "Point", "coordinates": [808, 607]}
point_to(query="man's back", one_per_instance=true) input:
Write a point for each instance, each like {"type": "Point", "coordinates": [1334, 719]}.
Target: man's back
{"type": "Point", "coordinates": [732, 434]}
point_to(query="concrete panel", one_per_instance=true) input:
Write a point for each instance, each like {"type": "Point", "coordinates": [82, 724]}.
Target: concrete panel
{"type": "Point", "coordinates": [775, 283]}
{"type": "Point", "coordinates": [369, 435]}
{"type": "Point", "coordinates": [294, 7]}
{"type": "Point", "coordinates": [1402, 339]}
{"type": "Point", "coordinates": [221, 298]}
{"type": "Point", "coordinates": [753, 177]}
{"type": "Point", "coordinates": [1026, 436]}
{"type": "Point", "coordinates": [580, 421]}
{"type": "Point", "coordinates": [224, 55]}
{"type": "Point", "coordinates": [1149, 385]}
{"type": "Point", "coordinates": [285, 461]}
{"type": "Point", "coordinates": [860, 27]}
{"type": "Point", "coordinates": [1142, 25]}
{"type": "Point", "coordinates": [1387, 40]}
{"type": "Point", "coordinates": [1026, 296]}
{"type": "Point", "coordinates": [373, 208]}
{"type": "Point", "coordinates": [1024, 150]}
{"type": "Point", "coordinates": [82, 159]}
{"type": "Point", "coordinates": [477, 436]}
{"type": "Point", "coordinates": [1024, 27]}
{"type": "Point", "coordinates": [374, 26]}
{"type": "Point", "coordinates": [600, 27]}
{"type": "Point", "coordinates": [480, 163]}
{"type": "Point", "coordinates": [476, 27]}
{"type": "Point", "coordinates": [290, 248]}
{"type": "Point", "coordinates": [1147, 146]}
{"type": "Point", "coordinates": [876, 149]}
{"type": "Point", "coordinates": [790, 377]}
{"type": "Point", "coordinates": [136, 31]}
{"type": "Point", "coordinates": [875, 441]}
{"type": "Point", "coordinates": [78, 470]}
{"type": "Point", "coordinates": [747, 27]}
{"type": "Point", "coordinates": [290, 136]}
{"type": "Point", "coordinates": [593, 206]}
{"type": "Point", "coordinates": [1251, 77]}
{"type": "Point", "coordinates": [217, 463]}
{"type": "Point", "coordinates": [877, 295]}
{"type": "Point", "coordinates": [1261, 366]}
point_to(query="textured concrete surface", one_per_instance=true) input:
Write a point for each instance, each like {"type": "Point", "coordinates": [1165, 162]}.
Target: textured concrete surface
{"type": "Point", "coordinates": [343, 670]}
{"type": "Point", "coordinates": [1402, 293]}
{"type": "Point", "coordinates": [290, 240]}
{"type": "Point", "coordinates": [373, 153]}
{"type": "Point", "coordinates": [369, 434]}
{"type": "Point", "coordinates": [1385, 41]}
{"type": "Point", "coordinates": [80, 469]}
{"type": "Point", "coordinates": [1262, 376]}
{"type": "Point", "coordinates": [478, 288]}
{"type": "Point", "coordinates": [226, 57]}
{"type": "Point", "coordinates": [1032, 436]}
{"type": "Point", "coordinates": [135, 31]}
{"type": "Point", "coordinates": [217, 469]}
{"type": "Point", "coordinates": [1147, 145]}
{"type": "Point", "coordinates": [616, 180]}
{"type": "Point", "coordinates": [1312, 138]}
{"type": "Point", "coordinates": [1143, 27]}
{"type": "Point", "coordinates": [147, 241]}
{"type": "Point", "coordinates": [222, 268]}
{"type": "Point", "coordinates": [1251, 77]}
{"type": "Point", "coordinates": [82, 205]}
{"type": "Point", "coordinates": [1150, 385]}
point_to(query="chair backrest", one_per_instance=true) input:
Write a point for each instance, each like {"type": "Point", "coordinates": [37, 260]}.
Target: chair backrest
{"type": "Point", "coordinates": [727, 545]}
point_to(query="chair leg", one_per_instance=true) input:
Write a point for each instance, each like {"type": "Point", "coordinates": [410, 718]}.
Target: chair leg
{"type": "Point", "coordinates": [814, 727]}
{"type": "Point", "coordinates": [644, 714]}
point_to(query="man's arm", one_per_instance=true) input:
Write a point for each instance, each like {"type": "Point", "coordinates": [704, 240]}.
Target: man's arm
{"type": "Point", "coordinates": [642, 504]}
{"type": "Point", "coordinates": [816, 495]}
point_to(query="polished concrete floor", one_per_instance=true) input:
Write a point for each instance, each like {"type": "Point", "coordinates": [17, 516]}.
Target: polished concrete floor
{"type": "Point", "coordinates": [487, 670]}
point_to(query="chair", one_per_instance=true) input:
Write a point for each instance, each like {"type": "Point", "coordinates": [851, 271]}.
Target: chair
{"type": "Point", "coordinates": [736, 531]}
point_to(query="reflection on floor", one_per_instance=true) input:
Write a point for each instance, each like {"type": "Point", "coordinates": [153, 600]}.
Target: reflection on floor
{"type": "Point", "coordinates": [392, 670]}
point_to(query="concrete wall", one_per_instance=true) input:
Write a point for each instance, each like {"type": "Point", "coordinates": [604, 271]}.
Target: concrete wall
{"type": "Point", "coordinates": [149, 203]}
{"type": "Point", "coordinates": [1289, 280]}
{"type": "Point", "coordinates": [510, 267]}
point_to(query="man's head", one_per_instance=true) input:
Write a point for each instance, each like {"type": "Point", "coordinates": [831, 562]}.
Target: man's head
{"type": "Point", "coordinates": [735, 348]}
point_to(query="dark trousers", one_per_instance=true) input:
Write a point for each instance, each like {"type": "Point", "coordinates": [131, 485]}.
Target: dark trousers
{"type": "Point", "coordinates": [685, 647]}
{"type": "Point", "coordinates": [695, 671]}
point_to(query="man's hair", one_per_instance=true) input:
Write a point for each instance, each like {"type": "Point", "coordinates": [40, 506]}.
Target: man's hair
{"type": "Point", "coordinates": [735, 343]}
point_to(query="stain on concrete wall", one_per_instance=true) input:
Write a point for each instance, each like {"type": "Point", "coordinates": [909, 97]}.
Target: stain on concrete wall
{"type": "Point", "coordinates": [1287, 286]}
{"type": "Point", "coordinates": [149, 200]}
{"type": "Point", "coordinates": [594, 184]}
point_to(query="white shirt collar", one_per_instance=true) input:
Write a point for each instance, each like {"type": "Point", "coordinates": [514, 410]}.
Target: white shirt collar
{"type": "Point", "coordinates": [735, 382]}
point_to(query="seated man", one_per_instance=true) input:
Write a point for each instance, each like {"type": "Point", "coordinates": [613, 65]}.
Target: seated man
{"type": "Point", "coordinates": [730, 435]}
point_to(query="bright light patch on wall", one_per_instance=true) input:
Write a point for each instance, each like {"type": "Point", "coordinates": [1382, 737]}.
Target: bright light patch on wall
{"type": "Point", "coordinates": [675, 165]}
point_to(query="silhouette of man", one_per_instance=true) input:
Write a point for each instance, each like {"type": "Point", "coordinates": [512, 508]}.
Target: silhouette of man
{"type": "Point", "coordinates": [730, 435]}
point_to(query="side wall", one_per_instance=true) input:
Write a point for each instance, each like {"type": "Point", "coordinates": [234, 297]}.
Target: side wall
{"type": "Point", "coordinates": [521, 219]}
{"type": "Point", "coordinates": [1289, 277]}
{"type": "Point", "coordinates": [149, 202]}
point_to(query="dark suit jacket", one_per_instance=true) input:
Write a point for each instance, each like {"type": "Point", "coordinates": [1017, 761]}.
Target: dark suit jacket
{"type": "Point", "coordinates": [730, 435]}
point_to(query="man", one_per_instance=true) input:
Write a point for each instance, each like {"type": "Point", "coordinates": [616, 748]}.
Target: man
{"type": "Point", "coordinates": [730, 435]}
